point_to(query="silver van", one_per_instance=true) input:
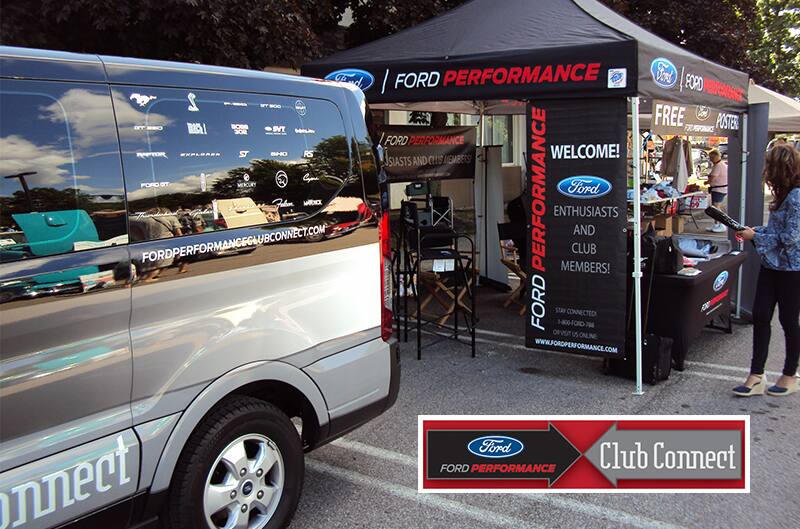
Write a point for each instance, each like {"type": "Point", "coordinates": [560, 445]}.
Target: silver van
{"type": "Point", "coordinates": [194, 289]}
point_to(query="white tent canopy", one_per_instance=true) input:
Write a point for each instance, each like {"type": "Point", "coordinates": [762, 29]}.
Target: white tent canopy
{"type": "Point", "coordinates": [784, 112]}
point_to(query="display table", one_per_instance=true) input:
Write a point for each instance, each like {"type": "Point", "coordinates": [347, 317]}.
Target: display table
{"type": "Point", "coordinates": [665, 221]}
{"type": "Point", "coordinates": [680, 306]}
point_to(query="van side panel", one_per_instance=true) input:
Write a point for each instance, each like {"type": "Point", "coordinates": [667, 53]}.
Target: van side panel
{"type": "Point", "coordinates": [193, 329]}
{"type": "Point", "coordinates": [215, 392]}
{"type": "Point", "coordinates": [54, 490]}
{"type": "Point", "coordinates": [341, 377]}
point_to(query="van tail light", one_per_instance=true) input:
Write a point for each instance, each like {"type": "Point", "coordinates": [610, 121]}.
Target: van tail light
{"type": "Point", "coordinates": [386, 277]}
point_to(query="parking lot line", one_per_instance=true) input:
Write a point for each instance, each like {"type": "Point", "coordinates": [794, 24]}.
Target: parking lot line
{"type": "Point", "coordinates": [560, 502]}
{"type": "Point", "coordinates": [713, 376]}
{"type": "Point", "coordinates": [728, 368]}
{"type": "Point", "coordinates": [483, 516]}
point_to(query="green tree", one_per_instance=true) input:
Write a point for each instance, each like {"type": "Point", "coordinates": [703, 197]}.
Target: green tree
{"type": "Point", "coordinates": [759, 37]}
{"type": "Point", "coordinates": [776, 58]}
{"type": "Point", "coordinates": [373, 19]}
{"type": "Point", "coordinates": [243, 33]}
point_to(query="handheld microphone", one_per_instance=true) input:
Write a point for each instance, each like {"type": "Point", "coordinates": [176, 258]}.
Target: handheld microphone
{"type": "Point", "coordinates": [723, 218]}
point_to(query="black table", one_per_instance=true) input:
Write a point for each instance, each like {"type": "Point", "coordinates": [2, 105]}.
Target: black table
{"type": "Point", "coordinates": [680, 306]}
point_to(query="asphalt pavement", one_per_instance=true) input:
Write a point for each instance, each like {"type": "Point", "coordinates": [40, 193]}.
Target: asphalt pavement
{"type": "Point", "coordinates": [368, 479]}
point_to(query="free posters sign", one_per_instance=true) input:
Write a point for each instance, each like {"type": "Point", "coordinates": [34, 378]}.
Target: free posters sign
{"type": "Point", "coordinates": [576, 192]}
{"type": "Point", "coordinates": [574, 453]}
{"type": "Point", "coordinates": [692, 120]}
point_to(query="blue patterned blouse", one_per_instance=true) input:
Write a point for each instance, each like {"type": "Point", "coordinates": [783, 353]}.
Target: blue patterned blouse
{"type": "Point", "coordinates": [778, 243]}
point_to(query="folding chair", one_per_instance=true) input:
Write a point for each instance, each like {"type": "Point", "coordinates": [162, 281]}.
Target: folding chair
{"type": "Point", "coordinates": [509, 256]}
{"type": "Point", "coordinates": [449, 288]}
{"type": "Point", "coordinates": [441, 211]}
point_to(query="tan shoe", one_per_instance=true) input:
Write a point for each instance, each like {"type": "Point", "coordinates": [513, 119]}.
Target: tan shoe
{"type": "Point", "coordinates": [778, 391]}
{"type": "Point", "coordinates": [749, 391]}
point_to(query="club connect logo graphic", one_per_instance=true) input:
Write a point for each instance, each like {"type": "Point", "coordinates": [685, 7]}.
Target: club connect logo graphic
{"type": "Point", "coordinates": [577, 453]}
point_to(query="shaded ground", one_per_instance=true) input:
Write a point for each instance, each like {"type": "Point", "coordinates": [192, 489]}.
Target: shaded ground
{"type": "Point", "coordinates": [369, 478]}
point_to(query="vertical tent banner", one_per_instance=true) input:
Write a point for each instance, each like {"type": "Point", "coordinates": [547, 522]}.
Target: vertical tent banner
{"type": "Point", "coordinates": [576, 190]}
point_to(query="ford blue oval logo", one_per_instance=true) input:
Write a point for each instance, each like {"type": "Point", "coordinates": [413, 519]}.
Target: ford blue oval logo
{"type": "Point", "coordinates": [720, 281]}
{"type": "Point", "coordinates": [584, 186]}
{"type": "Point", "coordinates": [495, 446]}
{"type": "Point", "coordinates": [664, 72]}
{"type": "Point", "coordinates": [361, 78]}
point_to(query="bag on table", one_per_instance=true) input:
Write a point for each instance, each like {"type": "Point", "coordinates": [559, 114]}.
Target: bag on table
{"type": "Point", "coordinates": [667, 258]}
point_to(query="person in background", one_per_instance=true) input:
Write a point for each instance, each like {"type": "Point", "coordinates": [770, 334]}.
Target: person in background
{"type": "Point", "coordinates": [519, 219]}
{"type": "Point", "coordinates": [161, 223]}
{"type": "Point", "coordinates": [778, 244]}
{"type": "Point", "coordinates": [718, 183]}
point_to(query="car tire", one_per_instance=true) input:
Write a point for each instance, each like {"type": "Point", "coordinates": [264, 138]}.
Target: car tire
{"type": "Point", "coordinates": [208, 487]}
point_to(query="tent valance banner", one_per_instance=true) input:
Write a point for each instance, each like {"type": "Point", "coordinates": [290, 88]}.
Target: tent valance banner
{"type": "Point", "coordinates": [576, 196]}
{"type": "Point", "coordinates": [579, 70]}
{"type": "Point", "coordinates": [421, 153]}
{"type": "Point", "coordinates": [693, 120]}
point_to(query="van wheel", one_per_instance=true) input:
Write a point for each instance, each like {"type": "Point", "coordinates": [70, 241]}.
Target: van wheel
{"type": "Point", "coordinates": [241, 468]}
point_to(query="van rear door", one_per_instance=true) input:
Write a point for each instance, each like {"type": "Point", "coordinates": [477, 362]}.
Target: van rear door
{"type": "Point", "coordinates": [65, 358]}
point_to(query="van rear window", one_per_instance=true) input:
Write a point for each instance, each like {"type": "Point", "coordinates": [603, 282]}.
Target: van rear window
{"type": "Point", "coordinates": [198, 161]}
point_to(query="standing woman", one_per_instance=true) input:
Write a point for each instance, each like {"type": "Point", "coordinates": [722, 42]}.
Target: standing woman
{"type": "Point", "coordinates": [778, 244]}
{"type": "Point", "coordinates": [718, 184]}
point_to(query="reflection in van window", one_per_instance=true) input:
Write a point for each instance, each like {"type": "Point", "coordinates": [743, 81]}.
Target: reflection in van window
{"type": "Point", "coordinates": [60, 177]}
{"type": "Point", "coordinates": [198, 161]}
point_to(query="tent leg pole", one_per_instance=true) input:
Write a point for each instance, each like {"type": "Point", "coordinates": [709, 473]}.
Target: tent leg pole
{"type": "Point", "coordinates": [637, 240]}
{"type": "Point", "coordinates": [742, 206]}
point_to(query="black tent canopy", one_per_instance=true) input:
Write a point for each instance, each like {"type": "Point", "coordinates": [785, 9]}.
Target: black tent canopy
{"type": "Point", "coordinates": [491, 57]}
{"type": "Point", "coordinates": [501, 52]}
